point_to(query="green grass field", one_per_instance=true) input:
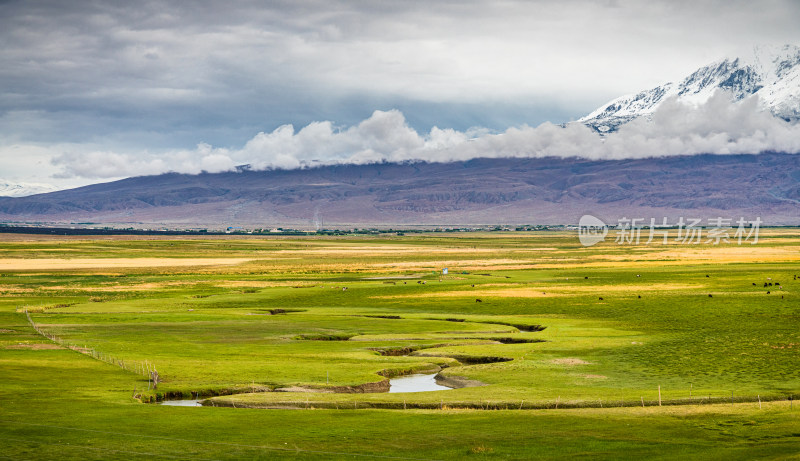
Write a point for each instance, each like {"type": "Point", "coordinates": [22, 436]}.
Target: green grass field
{"type": "Point", "coordinates": [567, 343]}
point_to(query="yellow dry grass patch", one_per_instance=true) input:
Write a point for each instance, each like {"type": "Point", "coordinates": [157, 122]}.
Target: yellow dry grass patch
{"type": "Point", "coordinates": [548, 291]}
{"type": "Point", "coordinates": [34, 347]}
{"type": "Point", "coordinates": [726, 254]}
{"type": "Point", "coordinates": [644, 286]}
{"type": "Point", "coordinates": [95, 263]}
{"type": "Point", "coordinates": [378, 249]}
{"type": "Point", "coordinates": [569, 361]}
{"type": "Point", "coordinates": [261, 284]}
{"type": "Point", "coordinates": [454, 265]}
{"type": "Point", "coordinates": [509, 293]}
{"type": "Point", "coordinates": [363, 250]}
{"type": "Point", "coordinates": [15, 290]}
{"type": "Point", "coordinates": [426, 266]}
{"type": "Point", "coordinates": [150, 286]}
{"type": "Point", "coordinates": [484, 285]}
{"type": "Point", "coordinates": [682, 410]}
{"type": "Point", "coordinates": [737, 254]}
{"type": "Point", "coordinates": [437, 263]}
{"type": "Point", "coordinates": [655, 263]}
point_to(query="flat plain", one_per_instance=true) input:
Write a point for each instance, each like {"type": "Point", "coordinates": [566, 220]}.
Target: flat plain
{"type": "Point", "coordinates": [555, 350]}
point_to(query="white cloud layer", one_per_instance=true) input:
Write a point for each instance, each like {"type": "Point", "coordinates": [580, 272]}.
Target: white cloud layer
{"type": "Point", "coordinates": [716, 127]}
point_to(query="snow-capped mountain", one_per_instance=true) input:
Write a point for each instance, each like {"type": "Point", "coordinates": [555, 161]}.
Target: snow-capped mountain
{"type": "Point", "coordinates": [21, 189]}
{"type": "Point", "coordinates": [772, 73]}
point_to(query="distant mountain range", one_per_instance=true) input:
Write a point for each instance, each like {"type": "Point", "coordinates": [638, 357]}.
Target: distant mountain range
{"type": "Point", "coordinates": [11, 189]}
{"type": "Point", "coordinates": [481, 191]}
{"type": "Point", "coordinates": [772, 73]}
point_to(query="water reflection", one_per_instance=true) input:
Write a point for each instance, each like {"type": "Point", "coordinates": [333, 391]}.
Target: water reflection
{"type": "Point", "coordinates": [415, 383]}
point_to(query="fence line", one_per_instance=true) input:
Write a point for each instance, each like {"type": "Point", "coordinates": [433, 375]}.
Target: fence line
{"type": "Point", "coordinates": [499, 405]}
{"type": "Point", "coordinates": [143, 368]}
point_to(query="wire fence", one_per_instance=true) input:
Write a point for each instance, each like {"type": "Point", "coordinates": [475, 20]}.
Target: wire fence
{"type": "Point", "coordinates": [355, 404]}
{"type": "Point", "coordinates": [140, 367]}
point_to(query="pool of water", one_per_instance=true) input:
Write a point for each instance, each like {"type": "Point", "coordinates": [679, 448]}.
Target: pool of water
{"type": "Point", "coordinates": [415, 383]}
{"type": "Point", "coordinates": [408, 383]}
{"type": "Point", "coordinates": [182, 403]}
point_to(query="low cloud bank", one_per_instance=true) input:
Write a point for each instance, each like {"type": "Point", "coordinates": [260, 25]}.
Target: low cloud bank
{"type": "Point", "coordinates": [717, 127]}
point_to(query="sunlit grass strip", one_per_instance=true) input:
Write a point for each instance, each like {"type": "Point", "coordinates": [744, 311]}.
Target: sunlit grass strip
{"type": "Point", "coordinates": [310, 402]}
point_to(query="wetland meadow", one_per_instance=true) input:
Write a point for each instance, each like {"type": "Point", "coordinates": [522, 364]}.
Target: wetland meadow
{"type": "Point", "coordinates": [540, 347]}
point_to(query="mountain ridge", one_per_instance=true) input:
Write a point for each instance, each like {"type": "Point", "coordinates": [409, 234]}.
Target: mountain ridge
{"type": "Point", "coordinates": [770, 73]}
{"type": "Point", "coordinates": [23, 189]}
{"type": "Point", "coordinates": [478, 191]}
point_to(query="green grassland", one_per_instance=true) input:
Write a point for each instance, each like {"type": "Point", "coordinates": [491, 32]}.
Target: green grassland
{"type": "Point", "coordinates": [562, 346]}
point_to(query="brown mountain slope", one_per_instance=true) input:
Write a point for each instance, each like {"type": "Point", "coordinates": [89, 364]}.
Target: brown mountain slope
{"type": "Point", "coordinates": [481, 191]}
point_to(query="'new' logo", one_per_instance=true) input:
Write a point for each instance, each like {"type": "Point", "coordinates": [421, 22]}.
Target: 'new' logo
{"type": "Point", "coordinates": [591, 230]}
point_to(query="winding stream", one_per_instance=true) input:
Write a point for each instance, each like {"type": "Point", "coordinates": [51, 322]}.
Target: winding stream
{"type": "Point", "coordinates": [181, 403]}
{"type": "Point", "coordinates": [416, 383]}
{"type": "Point", "coordinates": [408, 383]}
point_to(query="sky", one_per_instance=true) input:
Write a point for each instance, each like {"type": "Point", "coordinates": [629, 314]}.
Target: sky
{"type": "Point", "coordinates": [96, 91]}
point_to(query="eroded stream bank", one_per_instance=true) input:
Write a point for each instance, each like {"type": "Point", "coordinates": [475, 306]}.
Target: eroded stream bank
{"type": "Point", "coordinates": [418, 382]}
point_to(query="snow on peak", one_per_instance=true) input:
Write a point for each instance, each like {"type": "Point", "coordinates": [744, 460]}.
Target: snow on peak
{"type": "Point", "coordinates": [771, 72]}
{"type": "Point", "coordinates": [11, 189]}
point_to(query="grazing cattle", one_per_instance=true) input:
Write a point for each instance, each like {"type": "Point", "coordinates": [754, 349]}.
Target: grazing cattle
{"type": "Point", "coordinates": [754, 283]}
{"type": "Point", "coordinates": [707, 275]}
{"type": "Point", "coordinates": [601, 299]}
{"type": "Point", "coordinates": [640, 296]}
{"type": "Point", "coordinates": [586, 278]}
{"type": "Point", "coordinates": [768, 292]}
{"type": "Point", "coordinates": [709, 295]}
{"type": "Point", "coordinates": [478, 300]}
